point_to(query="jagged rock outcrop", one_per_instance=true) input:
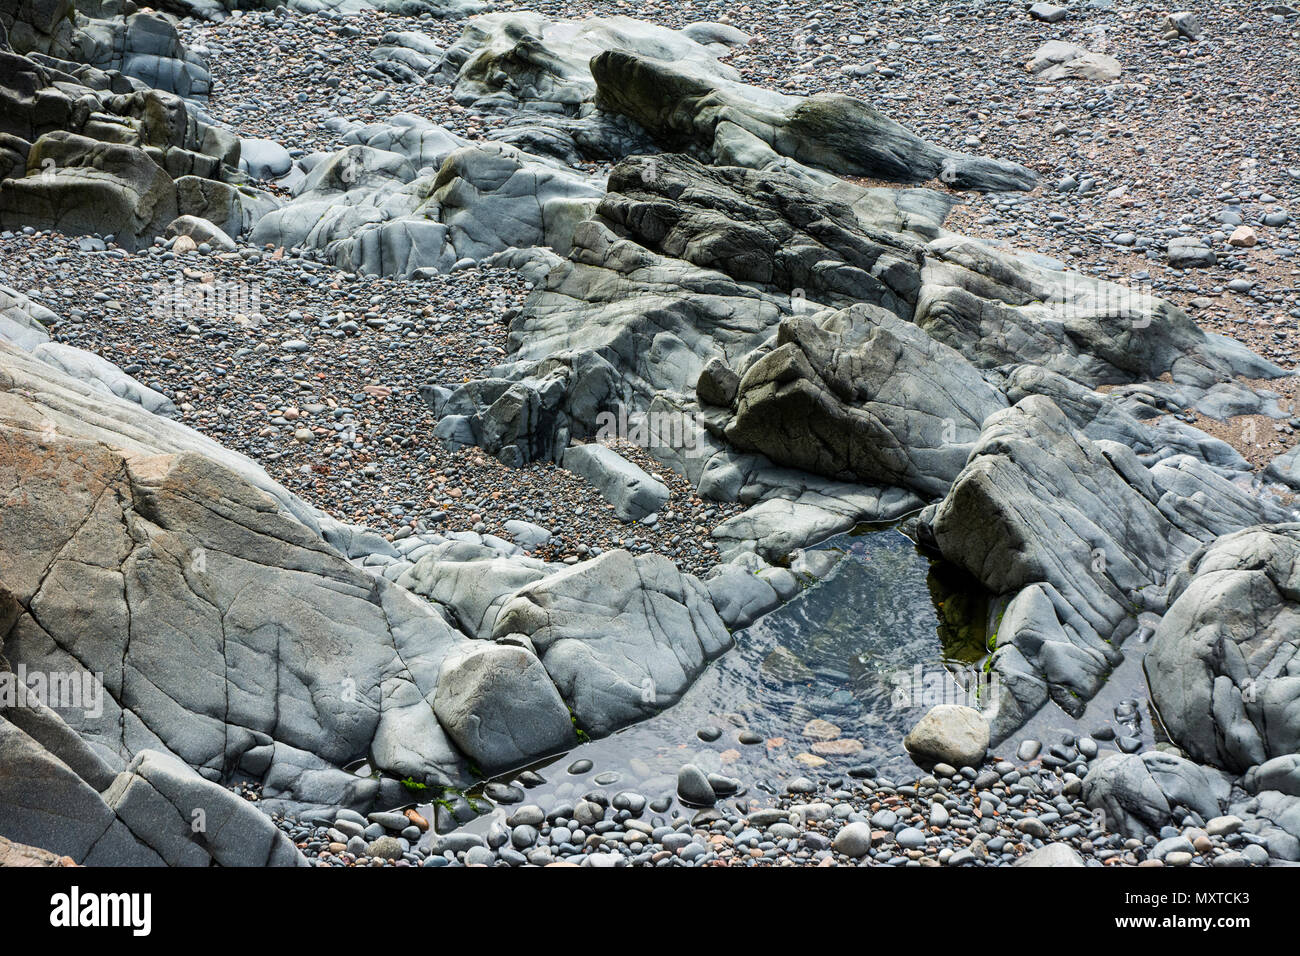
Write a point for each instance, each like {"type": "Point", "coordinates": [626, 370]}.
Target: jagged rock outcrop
{"type": "Point", "coordinates": [174, 547]}
{"type": "Point", "coordinates": [1073, 532]}
{"type": "Point", "coordinates": [605, 88]}
{"type": "Point", "coordinates": [143, 554]}
{"type": "Point", "coordinates": [85, 153]}
{"type": "Point", "coordinates": [426, 199]}
{"type": "Point", "coordinates": [59, 792]}
{"type": "Point", "coordinates": [861, 395]}
{"type": "Point", "coordinates": [91, 187]}
{"type": "Point", "coordinates": [523, 59]}
{"type": "Point", "coordinates": [534, 71]}
{"type": "Point", "coordinates": [739, 125]}
{"type": "Point", "coordinates": [1110, 417]}
{"type": "Point", "coordinates": [770, 229]}
{"type": "Point", "coordinates": [693, 264]}
{"type": "Point", "coordinates": [1000, 309]}
{"type": "Point", "coordinates": [149, 554]}
{"type": "Point", "coordinates": [138, 48]}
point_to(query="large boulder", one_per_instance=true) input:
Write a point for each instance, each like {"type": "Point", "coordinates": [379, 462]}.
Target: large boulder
{"type": "Point", "coordinates": [501, 708]}
{"type": "Point", "coordinates": [78, 185]}
{"type": "Point", "coordinates": [623, 637]}
{"type": "Point", "coordinates": [950, 733]}
{"type": "Point", "coordinates": [1141, 793]}
{"type": "Point", "coordinates": [861, 395]}
{"type": "Point", "coordinates": [1223, 661]}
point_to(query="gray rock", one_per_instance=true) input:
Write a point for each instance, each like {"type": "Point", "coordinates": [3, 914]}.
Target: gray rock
{"type": "Point", "coordinates": [1048, 12]}
{"type": "Point", "coordinates": [693, 786]}
{"type": "Point", "coordinates": [263, 158]}
{"type": "Point", "coordinates": [740, 596]}
{"type": "Point", "coordinates": [1184, 23]}
{"type": "Point", "coordinates": [385, 848]}
{"type": "Point", "coordinates": [500, 708]}
{"type": "Point", "coordinates": [853, 840]}
{"type": "Point", "coordinates": [1286, 468]}
{"type": "Point", "coordinates": [861, 395]}
{"type": "Point", "coordinates": [1221, 701]}
{"type": "Point", "coordinates": [1190, 253]}
{"type": "Point", "coordinates": [103, 376]}
{"type": "Point", "coordinates": [1076, 530]}
{"type": "Point", "coordinates": [1058, 60]}
{"type": "Point", "coordinates": [471, 580]}
{"type": "Point", "coordinates": [623, 637]}
{"type": "Point", "coordinates": [91, 187]}
{"type": "Point", "coordinates": [739, 125]}
{"type": "Point", "coordinates": [201, 231]}
{"type": "Point", "coordinates": [998, 309]}
{"type": "Point", "coordinates": [169, 563]}
{"type": "Point", "coordinates": [632, 492]}
{"type": "Point", "coordinates": [1053, 854]}
{"type": "Point", "coordinates": [368, 207]}
{"type": "Point", "coordinates": [950, 733]}
{"type": "Point", "coordinates": [1141, 793]}
{"type": "Point", "coordinates": [527, 535]}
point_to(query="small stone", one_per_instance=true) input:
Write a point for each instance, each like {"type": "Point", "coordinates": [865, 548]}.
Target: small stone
{"type": "Point", "coordinates": [1243, 237]}
{"type": "Point", "coordinates": [853, 840]}
{"type": "Point", "coordinates": [1223, 826]}
{"type": "Point", "coordinates": [818, 729]}
{"type": "Point", "coordinates": [693, 786]}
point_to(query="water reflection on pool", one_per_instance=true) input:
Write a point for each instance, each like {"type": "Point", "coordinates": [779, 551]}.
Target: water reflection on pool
{"type": "Point", "coordinates": [884, 636]}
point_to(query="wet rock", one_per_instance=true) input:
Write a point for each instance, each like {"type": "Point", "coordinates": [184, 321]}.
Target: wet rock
{"type": "Point", "coordinates": [693, 786]}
